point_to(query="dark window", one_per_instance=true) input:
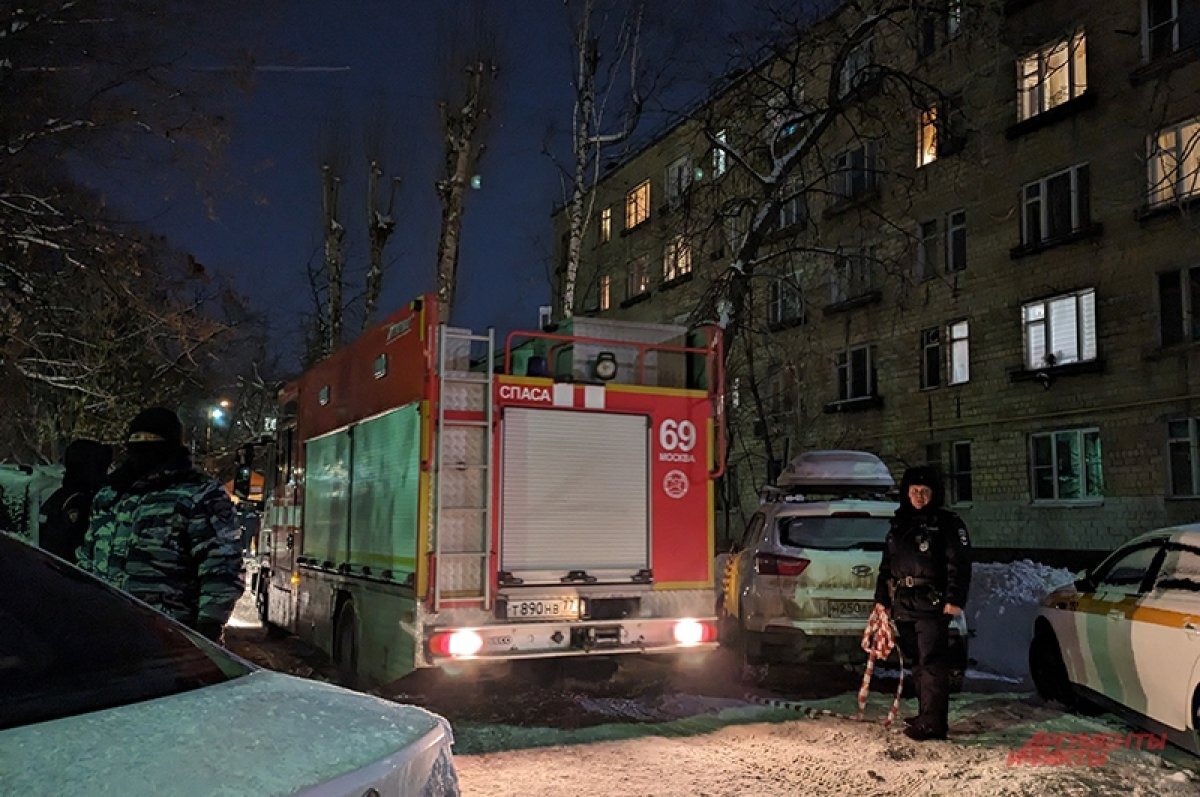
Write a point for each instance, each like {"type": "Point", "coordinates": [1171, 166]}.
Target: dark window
{"type": "Point", "coordinates": [960, 473]}
{"type": "Point", "coordinates": [1179, 306]}
{"type": "Point", "coordinates": [72, 645]}
{"type": "Point", "coordinates": [956, 241]}
{"type": "Point", "coordinates": [855, 374]}
{"type": "Point", "coordinates": [1056, 206]}
{"type": "Point", "coordinates": [834, 533]}
{"type": "Point", "coordinates": [927, 250]}
{"type": "Point", "coordinates": [1183, 454]}
{"type": "Point", "coordinates": [931, 357]}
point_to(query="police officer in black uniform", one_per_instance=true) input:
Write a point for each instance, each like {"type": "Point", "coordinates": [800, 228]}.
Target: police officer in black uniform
{"type": "Point", "coordinates": [923, 582]}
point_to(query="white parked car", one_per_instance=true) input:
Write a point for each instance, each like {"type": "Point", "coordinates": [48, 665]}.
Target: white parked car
{"type": "Point", "coordinates": [1126, 636]}
{"type": "Point", "coordinates": [800, 584]}
{"type": "Point", "coordinates": [102, 695]}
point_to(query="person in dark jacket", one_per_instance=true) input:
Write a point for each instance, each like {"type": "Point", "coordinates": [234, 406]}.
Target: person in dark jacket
{"type": "Point", "coordinates": [923, 582]}
{"type": "Point", "coordinates": [65, 514]}
{"type": "Point", "coordinates": [164, 531]}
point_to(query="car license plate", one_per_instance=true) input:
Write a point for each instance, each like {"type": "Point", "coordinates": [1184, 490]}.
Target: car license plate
{"type": "Point", "coordinates": [541, 608]}
{"type": "Point", "coordinates": [850, 608]}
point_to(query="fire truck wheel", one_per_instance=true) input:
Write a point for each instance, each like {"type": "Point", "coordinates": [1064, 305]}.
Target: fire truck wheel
{"type": "Point", "coordinates": [262, 595]}
{"type": "Point", "coordinates": [345, 645]}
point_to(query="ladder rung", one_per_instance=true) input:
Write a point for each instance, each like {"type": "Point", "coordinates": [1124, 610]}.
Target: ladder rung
{"type": "Point", "coordinates": [450, 422]}
{"type": "Point", "coordinates": [464, 509]}
{"type": "Point", "coordinates": [470, 379]}
{"type": "Point", "coordinates": [463, 466]}
{"type": "Point", "coordinates": [465, 553]}
{"type": "Point", "coordinates": [451, 335]}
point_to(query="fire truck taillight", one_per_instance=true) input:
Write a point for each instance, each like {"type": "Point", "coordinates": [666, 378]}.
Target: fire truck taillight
{"type": "Point", "coordinates": [456, 644]}
{"type": "Point", "coordinates": [694, 632]}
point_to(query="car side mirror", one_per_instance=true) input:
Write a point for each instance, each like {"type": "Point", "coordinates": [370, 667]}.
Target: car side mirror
{"type": "Point", "coordinates": [1083, 582]}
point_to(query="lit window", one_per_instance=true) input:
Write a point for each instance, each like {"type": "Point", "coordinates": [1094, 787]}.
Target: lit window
{"type": "Point", "coordinates": [1179, 306]}
{"type": "Point", "coordinates": [855, 373]}
{"type": "Point", "coordinates": [960, 352]}
{"type": "Point", "coordinates": [637, 205]}
{"type": "Point", "coordinates": [639, 276]}
{"type": "Point", "coordinates": [927, 136]}
{"type": "Point", "coordinates": [679, 179]}
{"type": "Point", "coordinates": [606, 225]}
{"type": "Point", "coordinates": [720, 157]}
{"type": "Point", "coordinates": [605, 292]}
{"type": "Point", "coordinates": [1060, 330]}
{"type": "Point", "coordinates": [1051, 76]}
{"type": "Point", "coordinates": [677, 258]}
{"type": "Point", "coordinates": [1174, 163]}
{"type": "Point", "coordinates": [1066, 466]}
{"type": "Point", "coordinates": [927, 250]}
{"type": "Point", "coordinates": [1183, 454]}
{"type": "Point", "coordinates": [785, 303]}
{"type": "Point", "coordinates": [956, 240]}
{"type": "Point", "coordinates": [960, 473]}
{"type": "Point", "coordinates": [1056, 206]}
{"type": "Point", "coordinates": [931, 357]}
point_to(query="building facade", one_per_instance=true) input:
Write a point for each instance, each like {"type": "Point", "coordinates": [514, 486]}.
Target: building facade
{"type": "Point", "coordinates": [993, 268]}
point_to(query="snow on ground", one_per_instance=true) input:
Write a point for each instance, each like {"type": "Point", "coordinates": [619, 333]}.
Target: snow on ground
{"type": "Point", "coordinates": [733, 754]}
{"type": "Point", "coordinates": [1000, 609]}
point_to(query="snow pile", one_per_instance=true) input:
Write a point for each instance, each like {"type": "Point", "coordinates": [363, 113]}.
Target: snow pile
{"type": "Point", "coordinates": [1001, 607]}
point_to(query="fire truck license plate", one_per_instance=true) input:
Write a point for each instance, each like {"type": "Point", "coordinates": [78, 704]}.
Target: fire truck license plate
{"type": "Point", "coordinates": [557, 608]}
{"type": "Point", "coordinates": [850, 608]}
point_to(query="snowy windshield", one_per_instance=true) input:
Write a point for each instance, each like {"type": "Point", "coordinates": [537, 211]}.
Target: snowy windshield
{"type": "Point", "coordinates": [834, 533]}
{"type": "Point", "coordinates": [70, 645]}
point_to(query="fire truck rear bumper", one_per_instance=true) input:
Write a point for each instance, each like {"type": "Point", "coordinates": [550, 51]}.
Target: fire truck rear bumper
{"type": "Point", "coordinates": [561, 639]}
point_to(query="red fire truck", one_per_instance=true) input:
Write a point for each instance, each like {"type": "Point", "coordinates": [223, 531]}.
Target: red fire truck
{"type": "Point", "coordinates": [437, 499]}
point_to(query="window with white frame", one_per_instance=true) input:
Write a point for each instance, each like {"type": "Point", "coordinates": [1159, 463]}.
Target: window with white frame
{"type": "Point", "coordinates": [775, 396]}
{"type": "Point", "coordinates": [1060, 330]}
{"type": "Point", "coordinates": [720, 155]}
{"type": "Point", "coordinates": [605, 292]}
{"type": "Point", "coordinates": [956, 240]}
{"type": "Point", "coordinates": [679, 180]}
{"type": "Point", "coordinates": [855, 375]}
{"type": "Point", "coordinates": [1066, 465]}
{"type": "Point", "coordinates": [927, 136]}
{"type": "Point", "coordinates": [856, 68]}
{"type": "Point", "coordinates": [785, 302]}
{"type": "Point", "coordinates": [853, 274]}
{"type": "Point", "coordinates": [954, 18]}
{"type": "Point", "coordinates": [927, 250]}
{"type": "Point", "coordinates": [931, 357]}
{"type": "Point", "coordinates": [639, 275]}
{"type": "Point", "coordinates": [637, 205]}
{"type": "Point", "coordinates": [959, 334]}
{"type": "Point", "coordinates": [1174, 163]}
{"type": "Point", "coordinates": [677, 258]}
{"type": "Point", "coordinates": [1056, 206]}
{"type": "Point", "coordinates": [1162, 34]}
{"type": "Point", "coordinates": [1179, 306]}
{"type": "Point", "coordinates": [1183, 457]}
{"type": "Point", "coordinates": [792, 206]}
{"type": "Point", "coordinates": [1051, 75]}
{"type": "Point", "coordinates": [854, 171]}
{"type": "Point", "coordinates": [961, 491]}
{"type": "Point", "coordinates": [606, 225]}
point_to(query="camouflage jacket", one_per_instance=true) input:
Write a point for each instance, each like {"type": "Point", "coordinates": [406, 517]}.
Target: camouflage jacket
{"type": "Point", "coordinates": [171, 540]}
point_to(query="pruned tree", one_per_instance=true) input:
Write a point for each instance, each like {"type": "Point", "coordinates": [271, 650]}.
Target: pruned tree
{"type": "Point", "coordinates": [380, 226]}
{"type": "Point", "coordinates": [468, 91]}
{"type": "Point", "coordinates": [335, 259]}
{"type": "Point", "coordinates": [606, 109]}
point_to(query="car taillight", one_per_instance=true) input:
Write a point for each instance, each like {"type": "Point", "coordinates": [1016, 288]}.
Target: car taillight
{"type": "Point", "coordinates": [769, 564]}
{"type": "Point", "coordinates": [457, 644]}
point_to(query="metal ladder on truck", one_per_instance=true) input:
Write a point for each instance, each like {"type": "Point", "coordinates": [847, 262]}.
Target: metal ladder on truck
{"type": "Point", "coordinates": [463, 469]}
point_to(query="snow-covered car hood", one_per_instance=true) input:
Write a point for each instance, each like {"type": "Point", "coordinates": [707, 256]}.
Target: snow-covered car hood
{"type": "Point", "coordinates": [261, 734]}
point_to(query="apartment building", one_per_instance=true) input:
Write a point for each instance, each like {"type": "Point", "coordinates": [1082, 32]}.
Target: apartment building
{"type": "Point", "coordinates": [992, 267]}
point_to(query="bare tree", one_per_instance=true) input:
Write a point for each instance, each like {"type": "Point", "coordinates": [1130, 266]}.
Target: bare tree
{"type": "Point", "coordinates": [335, 259]}
{"type": "Point", "coordinates": [599, 97]}
{"type": "Point", "coordinates": [468, 71]}
{"type": "Point", "coordinates": [380, 226]}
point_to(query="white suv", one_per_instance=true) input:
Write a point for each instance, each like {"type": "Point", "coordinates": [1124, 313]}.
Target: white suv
{"type": "Point", "coordinates": [800, 584]}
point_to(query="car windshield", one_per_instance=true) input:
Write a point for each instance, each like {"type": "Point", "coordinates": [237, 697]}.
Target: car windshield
{"type": "Point", "coordinates": [70, 644]}
{"type": "Point", "coordinates": [834, 533]}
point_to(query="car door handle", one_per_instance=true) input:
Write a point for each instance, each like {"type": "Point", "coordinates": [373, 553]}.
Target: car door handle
{"type": "Point", "coordinates": [1116, 614]}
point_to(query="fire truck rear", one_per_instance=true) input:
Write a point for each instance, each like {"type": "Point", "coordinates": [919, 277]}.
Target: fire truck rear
{"type": "Point", "coordinates": [437, 498]}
